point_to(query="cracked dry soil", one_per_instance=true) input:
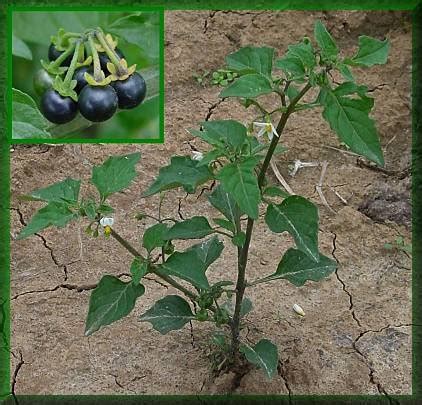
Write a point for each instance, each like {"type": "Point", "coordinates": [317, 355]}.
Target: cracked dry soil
{"type": "Point", "coordinates": [356, 335]}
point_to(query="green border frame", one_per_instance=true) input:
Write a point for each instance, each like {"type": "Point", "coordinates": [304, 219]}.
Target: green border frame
{"type": "Point", "coordinates": [41, 8]}
{"type": "Point", "coordinates": [416, 397]}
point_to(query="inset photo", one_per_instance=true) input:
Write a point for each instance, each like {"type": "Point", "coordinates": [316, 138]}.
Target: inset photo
{"type": "Point", "coordinates": [85, 75]}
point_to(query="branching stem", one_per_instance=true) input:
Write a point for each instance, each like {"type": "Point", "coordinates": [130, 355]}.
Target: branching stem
{"type": "Point", "coordinates": [152, 269]}
{"type": "Point", "coordinates": [244, 250]}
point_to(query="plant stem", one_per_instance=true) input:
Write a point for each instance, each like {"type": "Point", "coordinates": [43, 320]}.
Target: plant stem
{"type": "Point", "coordinates": [153, 269]}
{"type": "Point", "coordinates": [95, 58]}
{"type": "Point", "coordinates": [71, 35]}
{"type": "Point", "coordinates": [243, 252]}
{"type": "Point", "coordinates": [175, 284]}
{"type": "Point", "coordinates": [63, 56]}
{"type": "Point", "coordinates": [114, 58]}
{"type": "Point", "coordinates": [72, 67]}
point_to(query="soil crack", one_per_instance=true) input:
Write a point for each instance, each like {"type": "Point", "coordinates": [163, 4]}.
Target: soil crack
{"type": "Point", "coordinates": [179, 208]}
{"type": "Point", "coordinates": [66, 286]}
{"type": "Point", "coordinates": [18, 367]}
{"type": "Point", "coordinates": [402, 325]}
{"type": "Point", "coordinates": [212, 108]}
{"type": "Point", "coordinates": [377, 87]}
{"type": "Point", "coordinates": [120, 385]}
{"type": "Point", "coordinates": [372, 371]}
{"type": "Point", "coordinates": [63, 266]}
{"type": "Point", "coordinates": [367, 362]}
{"type": "Point", "coordinates": [282, 373]}
{"type": "Point", "coordinates": [351, 306]}
{"type": "Point", "coordinates": [207, 21]}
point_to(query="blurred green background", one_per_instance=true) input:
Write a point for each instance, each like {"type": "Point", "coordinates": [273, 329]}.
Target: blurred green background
{"type": "Point", "coordinates": [139, 38]}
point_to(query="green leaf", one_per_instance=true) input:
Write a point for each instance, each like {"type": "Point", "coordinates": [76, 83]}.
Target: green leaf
{"type": "Point", "coordinates": [248, 86]}
{"type": "Point", "coordinates": [346, 73]}
{"type": "Point", "coordinates": [239, 180]}
{"type": "Point", "coordinates": [187, 266]}
{"type": "Point", "coordinates": [371, 52]}
{"type": "Point", "coordinates": [245, 308]}
{"type": "Point", "coordinates": [225, 203]}
{"type": "Point", "coordinates": [154, 237]}
{"type": "Point", "coordinates": [292, 92]}
{"type": "Point", "coordinates": [169, 313]}
{"type": "Point", "coordinates": [208, 251]}
{"type": "Point", "coordinates": [192, 264]}
{"type": "Point", "coordinates": [63, 191]}
{"type": "Point", "coordinates": [298, 60]}
{"type": "Point", "coordinates": [224, 224]}
{"type": "Point", "coordinates": [90, 210]}
{"type": "Point", "coordinates": [182, 172]}
{"type": "Point", "coordinates": [20, 49]}
{"type": "Point", "coordinates": [350, 88]}
{"type": "Point", "coordinates": [297, 267]}
{"type": "Point", "coordinates": [105, 209]}
{"type": "Point", "coordinates": [37, 27]}
{"type": "Point", "coordinates": [209, 157]}
{"type": "Point", "coordinates": [142, 30]}
{"type": "Point", "coordinates": [252, 60]}
{"type": "Point", "coordinates": [239, 239]}
{"type": "Point", "coordinates": [115, 174]}
{"type": "Point", "coordinates": [264, 355]}
{"type": "Point", "coordinates": [193, 228]}
{"type": "Point", "coordinates": [292, 66]}
{"type": "Point", "coordinates": [329, 49]}
{"type": "Point", "coordinates": [273, 191]}
{"type": "Point", "coordinates": [230, 131]}
{"type": "Point", "coordinates": [27, 121]}
{"type": "Point", "coordinates": [110, 301]}
{"type": "Point", "coordinates": [53, 214]}
{"type": "Point", "coordinates": [207, 137]}
{"type": "Point", "coordinates": [304, 52]}
{"type": "Point", "coordinates": [138, 269]}
{"type": "Point", "coordinates": [299, 217]}
{"type": "Point", "coordinates": [349, 119]}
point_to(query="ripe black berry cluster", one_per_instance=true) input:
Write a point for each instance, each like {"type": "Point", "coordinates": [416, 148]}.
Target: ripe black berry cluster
{"type": "Point", "coordinates": [86, 73]}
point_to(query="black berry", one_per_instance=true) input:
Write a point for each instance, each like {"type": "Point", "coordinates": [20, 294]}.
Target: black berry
{"type": "Point", "coordinates": [58, 109]}
{"type": "Point", "coordinates": [79, 76]}
{"type": "Point", "coordinates": [130, 92]}
{"type": "Point", "coordinates": [97, 103]}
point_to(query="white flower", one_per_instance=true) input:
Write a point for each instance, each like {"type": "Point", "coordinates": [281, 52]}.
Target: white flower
{"type": "Point", "coordinates": [197, 155]}
{"type": "Point", "coordinates": [107, 221]}
{"type": "Point", "coordinates": [298, 309]}
{"type": "Point", "coordinates": [266, 128]}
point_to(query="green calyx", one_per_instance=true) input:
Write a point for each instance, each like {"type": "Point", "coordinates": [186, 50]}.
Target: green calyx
{"type": "Point", "coordinates": [101, 79]}
{"type": "Point", "coordinates": [63, 39]}
{"type": "Point", "coordinates": [122, 72]}
{"type": "Point", "coordinates": [118, 67]}
{"type": "Point", "coordinates": [65, 89]}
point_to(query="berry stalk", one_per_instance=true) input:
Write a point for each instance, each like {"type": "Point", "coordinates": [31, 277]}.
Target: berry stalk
{"type": "Point", "coordinates": [63, 56]}
{"type": "Point", "coordinates": [114, 58]}
{"type": "Point", "coordinates": [73, 63]}
{"type": "Point", "coordinates": [96, 59]}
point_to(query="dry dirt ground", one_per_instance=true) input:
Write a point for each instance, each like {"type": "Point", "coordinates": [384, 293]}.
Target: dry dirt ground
{"type": "Point", "coordinates": [356, 335]}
